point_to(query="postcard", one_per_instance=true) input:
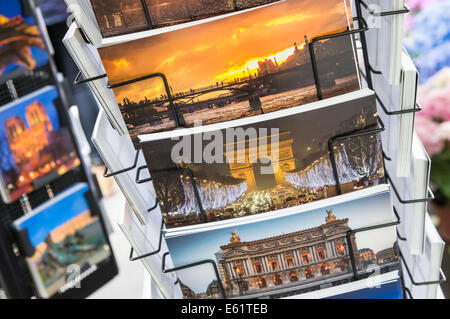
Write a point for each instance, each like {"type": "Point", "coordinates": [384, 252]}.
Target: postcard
{"type": "Point", "coordinates": [210, 287]}
{"type": "Point", "coordinates": [382, 286]}
{"type": "Point", "coordinates": [34, 147]}
{"type": "Point", "coordinates": [266, 162]}
{"type": "Point", "coordinates": [21, 43]}
{"type": "Point", "coordinates": [65, 241]}
{"type": "Point", "coordinates": [255, 62]}
{"type": "Point", "coordinates": [119, 17]}
{"type": "Point", "coordinates": [384, 290]}
{"type": "Point", "coordinates": [293, 254]}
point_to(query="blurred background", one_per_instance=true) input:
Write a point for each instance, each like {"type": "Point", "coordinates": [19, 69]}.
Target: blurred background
{"type": "Point", "coordinates": [427, 40]}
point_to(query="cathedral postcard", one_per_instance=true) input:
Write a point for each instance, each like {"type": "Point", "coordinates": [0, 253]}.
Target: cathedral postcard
{"type": "Point", "coordinates": [34, 147]}
{"type": "Point", "coordinates": [291, 254]}
{"type": "Point", "coordinates": [247, 64]}
{"type": "Point", "coordinates": [265, 163]}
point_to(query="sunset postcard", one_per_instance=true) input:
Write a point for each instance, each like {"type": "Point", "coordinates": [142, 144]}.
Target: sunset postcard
{"type": "Point", "coordinates": [247, 64]}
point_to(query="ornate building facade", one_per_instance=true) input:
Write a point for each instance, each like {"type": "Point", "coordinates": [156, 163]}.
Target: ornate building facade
{"type": "Point", "coordinates": [287, 260]}
{"type": "Point", "coordinates": [38, 147]}
{"type": "Point", "coordinates": [27, 139]}
{"type": "Point", "coordinates": [188, 293]}
{"type": "Point", "coordinates": [32, 136]}
{"type": "Point", "coordinates": [367, 255]}
{"type": "Point", "coordinates": [387, 255]}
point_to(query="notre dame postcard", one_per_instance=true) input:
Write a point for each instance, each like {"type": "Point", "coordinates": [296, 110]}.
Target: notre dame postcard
{"type": "Point", "coordinates": [34, 146]}
{"type": "Point", "coordinates": [243, 65]}
{"type": "Point", "coordinates": [290, 254]}
{"type": "Point", "coordinates": [264, 163]}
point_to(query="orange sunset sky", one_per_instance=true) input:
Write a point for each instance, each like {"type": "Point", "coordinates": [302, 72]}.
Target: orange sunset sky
{"type": "Point", "coordinates": [221, 50]}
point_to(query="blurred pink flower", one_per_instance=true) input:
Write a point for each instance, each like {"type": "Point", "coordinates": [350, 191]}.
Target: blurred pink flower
{"type": "Point", "coordinates": [427, 129]}
{"type": "Point", "coordinates": [434, 97]}
{"type": "Point", "coordinates": [415, 6]}
{"type": "Point", "coordinates": [435, 103]}
{"type": "Point", "coordinates": [441, 78]}
{"type": "Point", "coordinates": [409, 22]}
{"type": "Point", "coordinates": [419, 4]}
{"type": "Point", "coordinates": [443, 131]}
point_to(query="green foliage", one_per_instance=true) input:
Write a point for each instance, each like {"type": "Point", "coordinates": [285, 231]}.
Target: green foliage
{"type": "Point", "coordinates": [440, 171]}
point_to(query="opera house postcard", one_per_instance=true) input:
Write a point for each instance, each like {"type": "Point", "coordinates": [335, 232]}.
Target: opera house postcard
{"type": "Point", "coordinates": [291, 254]}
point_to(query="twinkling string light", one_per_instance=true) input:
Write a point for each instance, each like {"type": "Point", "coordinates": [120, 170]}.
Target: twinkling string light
{"type": "Point", "coordinates": [370, 165]}
{"type": "Point", "coordinates": [213, 195]}
{"type": "Point", "coordinates": [319, 174]}
{"type": "Point", "coordinates": [356, 161]}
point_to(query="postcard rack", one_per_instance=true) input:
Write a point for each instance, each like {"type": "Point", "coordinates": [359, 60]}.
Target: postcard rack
{"type": "Point", "coordinates": [15, 280]}
{"type": "Point", "coordinates": [356, 274]}
{"type": "Point", "coordinates": [14, 274]}
{"type": "Point", "coordinates": [366, 74]}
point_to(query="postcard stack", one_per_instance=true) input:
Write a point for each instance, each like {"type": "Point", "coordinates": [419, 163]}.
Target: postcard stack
{"type": "Point", "coordinates": [63, 239]}
{"type": "Point", "coordinates": [267, 185]}
{"type": "Point", "coordinates": [48, 210]}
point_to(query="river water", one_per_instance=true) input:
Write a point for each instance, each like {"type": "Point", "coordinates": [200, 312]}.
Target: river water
{"type": "Point", "coordinates": [270, 103]}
